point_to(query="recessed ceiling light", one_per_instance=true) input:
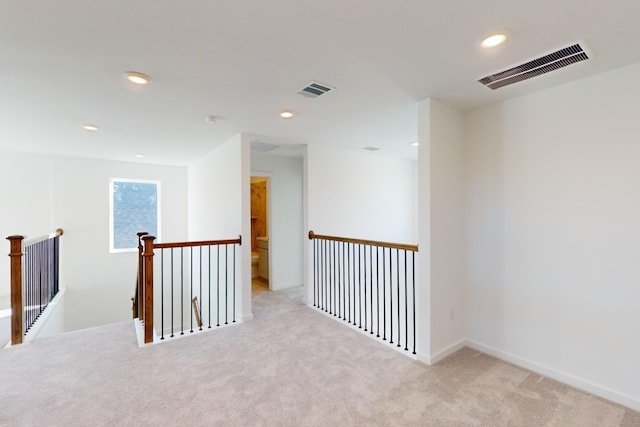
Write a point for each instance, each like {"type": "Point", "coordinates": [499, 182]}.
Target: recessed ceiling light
{"type": "Point", "coordinates": [286, 114]}
{"type": "Point", "coordinates": [140, 156]}
{"type": "Point", "coordinates": [415, 144]}
{"type": "Point", "coordinates": [495, 39]}
{"type": "Point", "coordinates": [137, 78]}
{"type": "Point", "coordinates": [90, 128]}
{"type": "Point", "coordinates": [210, 119]}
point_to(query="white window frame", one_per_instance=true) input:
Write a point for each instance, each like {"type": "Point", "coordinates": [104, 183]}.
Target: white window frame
{"type": "Point", "coordinates": [111, 216]}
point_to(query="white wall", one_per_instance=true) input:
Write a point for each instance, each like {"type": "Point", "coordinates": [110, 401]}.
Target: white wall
{"type": "Point", "coordinates": [22, 212]}
{"type": "Point", "coordinates": [100, 284]}
{"type": "Point", "coordinates": [73, 194]}
{"type": "Point", "coordinates": [215, 193]}
{"type": "Point", "coordinates": [286, 232]}
{"type": "Point", "coordinates": [441, 290]}
{"type": "Point", "coordinates": [554, 231]}
{"type": "Point", "coordinates": [219, 205]}
{"type": "Point", "coordinates": [359, 194]}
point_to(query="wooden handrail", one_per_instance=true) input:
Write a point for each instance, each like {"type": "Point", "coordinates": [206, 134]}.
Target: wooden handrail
{"type": "Point", "coordinates": [144, 291]}
{"type": "Point", "coordinates": [198, 243]}
{"type": "Point", "coordinates": [58, 232]}
{"type": "Point", "coordinates": [402, 246]}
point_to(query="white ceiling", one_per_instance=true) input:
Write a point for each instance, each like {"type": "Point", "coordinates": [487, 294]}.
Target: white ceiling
{"type": "Point", "coordinates": [61, 65]}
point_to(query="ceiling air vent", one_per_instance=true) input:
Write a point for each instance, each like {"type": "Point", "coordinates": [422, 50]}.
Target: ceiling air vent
{"type": "Point", "coordinates": [544, 64]}
{"type": "Point", "coordinates": [314, 90]}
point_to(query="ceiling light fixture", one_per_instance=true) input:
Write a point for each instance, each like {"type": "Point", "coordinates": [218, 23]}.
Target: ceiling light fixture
{"type": "Point", "coordinates": [495, 39]}
{"type": "Point", "coordinates": [137, 78]}
{"type": "Point", "coordinates": [415, 144]}
{"type": "Point", "coordinates": [90, 128]}
{"type": "Point", "coordinates": [140, 156]}
{"type": "Point", "coordinates": [286, 114]}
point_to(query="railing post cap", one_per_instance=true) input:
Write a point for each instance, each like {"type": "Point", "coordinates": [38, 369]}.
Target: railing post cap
{"type": "Point", "coordinates": [148, 237]}
{"type": "Point", "coordinates": [16, 237]}
{"type": "Point", "coordinates": [142, 233]}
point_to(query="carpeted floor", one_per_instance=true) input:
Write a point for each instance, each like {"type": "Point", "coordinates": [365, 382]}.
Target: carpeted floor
{"type": "Point", "coordinates": [290, 366]}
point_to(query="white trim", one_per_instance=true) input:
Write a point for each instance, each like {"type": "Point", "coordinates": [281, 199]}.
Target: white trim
{"type": "Point", "coordinates": [39, 326]}
{"type": "Point", "coordinates": [387, 344]}
{"type": "Point", "coordinates": [246, 317]}
{"type": "Point", "coordinates": [572, 380]}
{"type": "Point", "coordinates": [139, 328]}
{"type": "Point", "coordinates": [158, 212]}
{"type": "Point", "coordinates": [447, 351]}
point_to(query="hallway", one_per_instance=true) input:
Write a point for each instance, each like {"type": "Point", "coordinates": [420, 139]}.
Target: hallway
{"type": "Point", "coordinates": [291, 366]}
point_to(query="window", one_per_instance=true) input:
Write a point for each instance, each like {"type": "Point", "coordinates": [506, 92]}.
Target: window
{"type": "Point", "coordinates": [134, 207]}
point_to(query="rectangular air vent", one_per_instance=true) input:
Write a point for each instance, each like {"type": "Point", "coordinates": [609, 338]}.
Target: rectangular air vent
{"type": "Point", "coordinates": [314, 90]}
{"type": "Point", "coordinates": [544, 64]}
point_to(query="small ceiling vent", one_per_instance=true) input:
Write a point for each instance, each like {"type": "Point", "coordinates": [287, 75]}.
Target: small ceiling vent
{"type": "Point", "coordinates": [371, 148]}
{"type": "Point", "coordinates": [314, 90]}
{"type": "Point", "coordinates": [544, 64]}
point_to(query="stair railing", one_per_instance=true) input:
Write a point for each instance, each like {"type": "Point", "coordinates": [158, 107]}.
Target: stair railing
{"type": "Point", "coordinates": [193, 283]}
{"type": "Point", "coordinates": [35, 273]}
{"type": "Point", "coordinates": [369, 284]}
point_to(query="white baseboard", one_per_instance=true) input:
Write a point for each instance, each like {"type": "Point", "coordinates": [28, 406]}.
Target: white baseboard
{"type": "Point", "coordinates": [432, 360]}
{"type": "Point", "coordinates": [246, 317]}
{"type": "Point", "coordinates": [572, 380]}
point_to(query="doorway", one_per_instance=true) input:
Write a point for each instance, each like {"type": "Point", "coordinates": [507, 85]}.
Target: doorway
{"type": "Point", "coordinates": [260, 196]}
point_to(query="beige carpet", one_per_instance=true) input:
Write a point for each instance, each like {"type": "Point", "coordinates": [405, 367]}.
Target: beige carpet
{"type": "Point", "coordinates": [291, 366]}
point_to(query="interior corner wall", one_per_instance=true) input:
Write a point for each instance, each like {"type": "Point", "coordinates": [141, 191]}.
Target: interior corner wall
{"type": "Point", "coordinates": [441, 293]}
{"type": "Point", "coordinates": [286, 232]}
{"type": "Point", "coordinates": [215, 193]}
{"type": "Point", "coordinates": [219, 204]}
{"type": "Point", "coordinates": [553, 242]}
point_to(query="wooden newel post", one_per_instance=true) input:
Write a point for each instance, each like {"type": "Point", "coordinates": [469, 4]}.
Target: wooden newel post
{"type": "Point", "coordinates": [15, 254]}
{"type": "Point", "coordinates": [148, 288]}
{"type": "Point", "coordinates": [139, 298]}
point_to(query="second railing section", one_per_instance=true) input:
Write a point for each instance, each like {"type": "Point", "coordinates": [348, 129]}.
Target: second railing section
{"type": "Point", "coordinates": [194, 286]}
{"type": "Point", "coordinates": [368, 284]}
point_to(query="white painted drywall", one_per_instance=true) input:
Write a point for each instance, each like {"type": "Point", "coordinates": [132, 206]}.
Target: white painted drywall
{"type": "Point", "coordinates": [73, 194]}
{"type": "Point", "coordinates": [218, 198]}
{"type": "Point", "coordinates": [362, 194]}
{"type": "Point", "coordinates": [286, 232]}
{"type": "Point", "coordinates": [442, 239]}
{"type": "Point", "coordinates": [359, 194]}
{"type": "Point", "coordinates": [553, 247]}
{"type": "Point", "coordinates": [22, 212]}
{"type": "Point", "coordinates": [215, 193]}
{"type": "Point", "coordinates": [100, 284]}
